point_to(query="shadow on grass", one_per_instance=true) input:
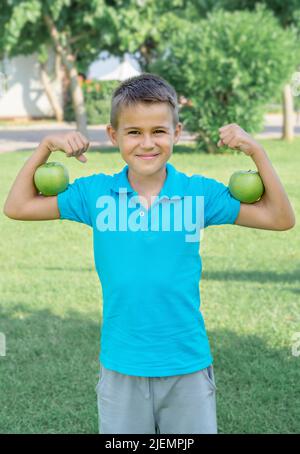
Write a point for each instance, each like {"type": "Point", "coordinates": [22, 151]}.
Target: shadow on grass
{"type": "Point", "coordinates": [183, 148]}
{"type": "Point", "coordinates": [257, 385]}
{"type": "Point", "coordinates": [50, 371]}
{"type": "Point", "coordinates": [252, 276]}
{"type": "Point", "coordinates": [57, 268]}
{"type": "Point", "coordinates": [295, 290]}
{"type": "Point", "coordinates": [248, 276]}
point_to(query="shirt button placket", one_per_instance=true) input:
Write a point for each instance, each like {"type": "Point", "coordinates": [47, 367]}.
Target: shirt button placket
{"type": "Point", "coordinates": [144, 218]}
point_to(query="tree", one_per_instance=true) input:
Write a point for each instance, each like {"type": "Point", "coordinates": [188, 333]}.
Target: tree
{"type": "Point", "coordinates": [226, 70]}
{"type": "Point", "coordinates": [47, 81]}
{"type": "Point", "coordinates": [284, 11]}
{"type": "Point", "coordinates": [68, 26]}
{"type": "Point", "coordinates": [78, 31]}
{"type": "Point", "coordinates": [288, 14]}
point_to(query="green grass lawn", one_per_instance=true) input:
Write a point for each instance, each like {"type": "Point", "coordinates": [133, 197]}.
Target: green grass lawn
{"type": "Point", "coordinates": [51, 308]}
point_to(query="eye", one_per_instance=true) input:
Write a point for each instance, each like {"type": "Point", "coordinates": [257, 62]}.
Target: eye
{"type": "Point", "coordinates": [159, 131]}
{"type": "Point", "coordinates": [133, 132]}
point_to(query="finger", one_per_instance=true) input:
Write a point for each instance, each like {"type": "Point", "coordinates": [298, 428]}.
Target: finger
{"type": "Point", "coordinates": [226, 138]}
{"type": "Point", "coordinates": [81, 158]}
{"type": "Point", "coordinates": [74, 145]}
{"type": "Point", "coordinates": [86, 145]}
{"type": "Point", "coordinates": [233, 143]}
{"type": "Point", "coordinates": [79, 145]}
{"type": "Point", "coordinates": [223, 128]}
{"type": "Point", "coordinates": [84, 142]}
{"type": "Point", "coordinates": [69, 148]}
{"type": "Point", "coordinates": [225, 133]}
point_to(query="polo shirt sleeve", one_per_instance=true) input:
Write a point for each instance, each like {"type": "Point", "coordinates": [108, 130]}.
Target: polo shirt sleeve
{"type": "Point", "coordinates": [219, 205]}
{"type": "Point", "coordinates": [74, 202]}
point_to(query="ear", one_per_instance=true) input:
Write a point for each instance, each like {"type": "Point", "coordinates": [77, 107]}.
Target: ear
{"type": "Point", "coordinates": [177, 132]}
{"type": "Point", "coordinates": [112, 134]}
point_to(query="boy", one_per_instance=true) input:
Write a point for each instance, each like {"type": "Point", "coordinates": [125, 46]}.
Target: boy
{"type": "Point", "coordinates": [156, 373]}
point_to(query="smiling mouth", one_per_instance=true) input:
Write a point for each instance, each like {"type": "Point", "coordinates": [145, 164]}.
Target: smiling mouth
{"type": "Point", "coordinates": [147, 156]}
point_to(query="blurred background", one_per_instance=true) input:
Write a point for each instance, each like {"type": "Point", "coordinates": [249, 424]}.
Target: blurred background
{"type": "Point", "coordinates": [229, 60]}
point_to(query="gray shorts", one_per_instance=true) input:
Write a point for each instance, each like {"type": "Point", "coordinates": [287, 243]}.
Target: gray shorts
{"type": "Point", "coordinates": [178, 404]}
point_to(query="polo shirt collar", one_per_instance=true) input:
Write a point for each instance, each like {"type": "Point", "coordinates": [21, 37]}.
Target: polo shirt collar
{"type": "Point", "coordinates": [172, 187]}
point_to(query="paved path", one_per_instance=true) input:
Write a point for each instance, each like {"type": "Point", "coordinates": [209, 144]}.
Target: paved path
{"type": "Point", "coordinates": [14, 138]}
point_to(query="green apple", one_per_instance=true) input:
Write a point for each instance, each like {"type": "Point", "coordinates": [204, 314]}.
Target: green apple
{"type": "Point", "coordinates": [246, 186]}
{"type": "Point", "coordinates": [51, 178]}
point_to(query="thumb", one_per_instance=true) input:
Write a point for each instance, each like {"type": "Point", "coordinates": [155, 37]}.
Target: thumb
{"type": "Point", "coordinates": [81, 158]}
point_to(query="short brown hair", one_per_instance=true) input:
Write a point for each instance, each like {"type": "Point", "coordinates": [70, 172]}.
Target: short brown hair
{"type": "Point", "coordinates": [146, 87]}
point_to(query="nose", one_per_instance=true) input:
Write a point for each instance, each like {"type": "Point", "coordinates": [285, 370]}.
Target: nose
{"type": "Point", "coordinates": [147, 142]}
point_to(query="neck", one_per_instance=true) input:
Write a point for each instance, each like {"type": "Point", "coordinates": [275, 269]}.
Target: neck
{"type": "Point", "coordinates": [145, 184]}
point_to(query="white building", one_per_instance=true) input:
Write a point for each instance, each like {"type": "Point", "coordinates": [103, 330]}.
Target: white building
{"type": "Point", "coordinates": [113, 68]}
{"type": "Point", "coordinates": [21, 91]}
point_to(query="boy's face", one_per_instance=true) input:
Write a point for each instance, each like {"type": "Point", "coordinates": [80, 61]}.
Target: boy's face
{"type": "Point", "coordinates": [145, 130]}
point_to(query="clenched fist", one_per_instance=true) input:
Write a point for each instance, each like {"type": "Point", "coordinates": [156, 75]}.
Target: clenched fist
{"type": "Point", "coordinates": [72, 143]}
{"type": "Point", "coordinates": [235, 137]}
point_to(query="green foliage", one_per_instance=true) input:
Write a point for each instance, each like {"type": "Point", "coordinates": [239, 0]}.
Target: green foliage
{"type": "Point", "coordinates": [17, 17]}
{"type": "Point", "coordinates": [97, 97]}
{"type": "Point", "coordinates": [82, 30]}
{"type": "Point", "coordinates": [83, 27]}
{"type": "Point", "coordinates": [228, 66]}
{"type": "Point", "coordinates": [284, 11]}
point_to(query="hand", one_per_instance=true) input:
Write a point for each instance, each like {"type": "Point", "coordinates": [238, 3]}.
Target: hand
{"type": "Point", "coordinates": [235, 137]}
{"type": "Point", "coordinates": [72, 143]}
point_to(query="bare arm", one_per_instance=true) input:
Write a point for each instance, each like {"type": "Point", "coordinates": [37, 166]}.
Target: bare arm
{"type": "Point", "coordinates": [24, 202]}
{"type": "Point", "coordinates": [273, 211]}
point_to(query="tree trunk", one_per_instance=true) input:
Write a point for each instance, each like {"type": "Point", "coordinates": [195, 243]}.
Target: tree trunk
{"type": "Point", "coordinates": [68, 59]}
{"type": "Point", "coordinates": [60, 76]}
{"type": "Point", "coordinates": [211, 147]}
{"type": "Point", "coordinates": [78, 101]}
{"type": "Point", "coordinates": [288, 113]}
{"type": "Point", "coordinates": [58, 111]}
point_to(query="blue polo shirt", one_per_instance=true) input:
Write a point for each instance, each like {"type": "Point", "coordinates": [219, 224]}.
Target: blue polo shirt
{"type": "Point", "coordinates": [149, 266]}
